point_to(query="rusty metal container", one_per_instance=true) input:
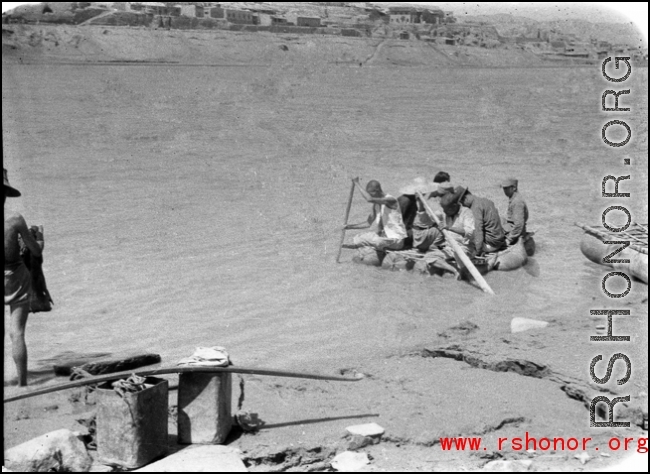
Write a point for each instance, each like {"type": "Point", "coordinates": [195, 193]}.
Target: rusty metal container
{"type": "Point", "coordinates": [204, 408]}
{"type": "Point", "coordinates": [132, 429]}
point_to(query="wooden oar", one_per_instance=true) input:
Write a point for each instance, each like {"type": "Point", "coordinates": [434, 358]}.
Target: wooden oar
{"type": "Point", "coordinates": [176, 370]}
{"type": "Point", "coordinates": [456, 248]}
{"type": "Point", "coordinates": [345, 221]}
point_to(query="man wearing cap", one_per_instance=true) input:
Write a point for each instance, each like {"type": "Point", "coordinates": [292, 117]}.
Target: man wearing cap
{"type": "Point", "coordinates": [391, 231]}
{"type": "Point", "coordinates": [489, 235]}
{"type": "Point", "coordinates": [515, 226]}
{"type": "Point", "coordinates": [17, 279]}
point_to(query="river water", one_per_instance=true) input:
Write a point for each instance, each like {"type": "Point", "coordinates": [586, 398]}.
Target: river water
{"type": "Point", "coordinates": [187, 207]}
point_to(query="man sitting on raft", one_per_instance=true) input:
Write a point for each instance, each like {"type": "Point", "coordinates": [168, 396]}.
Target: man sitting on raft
{"type": "Point", "coordinates": [489, 235]}
{"type": "Point", "coordinates": [515, 225]}
{"type": "Point", "coordinates": [428, 236]}
{"type": "Point", "coordinates": [391, 232]}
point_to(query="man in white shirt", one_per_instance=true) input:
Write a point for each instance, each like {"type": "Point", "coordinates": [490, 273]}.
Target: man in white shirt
{"type": "Point", "coordinates": [386, 212]}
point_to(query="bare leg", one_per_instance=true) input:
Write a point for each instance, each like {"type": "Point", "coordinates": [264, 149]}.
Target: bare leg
{"type": "Point", "coordinates": [19, 315]}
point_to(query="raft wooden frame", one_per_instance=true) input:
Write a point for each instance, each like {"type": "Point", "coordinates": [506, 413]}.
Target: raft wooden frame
{"type": "Point", "coordinates": [630, 234]}
{"type": "Point", "coordinates": [177, 370]}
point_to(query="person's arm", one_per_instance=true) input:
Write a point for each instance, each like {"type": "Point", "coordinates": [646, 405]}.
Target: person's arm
{"type": "Point", "coordinates": [422, 219]}
{"type": "Point", "coordinates": [478, 229]}
{"type": "Point", "coordinates": [388, 201]}
{"type": "Point", "coordinates": [468, 225]}
{"type": "Point", "coordinates": [518, 220]}
{"type": "Point", "coordinates": [30, 242]}
{"type": "Point", "coordinates": [364, 225]}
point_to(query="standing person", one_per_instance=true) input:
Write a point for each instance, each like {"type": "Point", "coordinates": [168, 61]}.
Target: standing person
{"type": "Point", "coordinates": [489, 235]}
{"type": "Point", "coordinates": [515, 226]}
{"type": "Point", "coordinates": [17, 280]}
{"type": "Point", "coordinates": [391, 232]}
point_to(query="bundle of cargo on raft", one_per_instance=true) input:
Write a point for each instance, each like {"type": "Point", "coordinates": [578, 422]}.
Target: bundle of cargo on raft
{"type": "Point", "coordinates": [594, 246]}
{"type": "Point", "coordinates": [511, 258]}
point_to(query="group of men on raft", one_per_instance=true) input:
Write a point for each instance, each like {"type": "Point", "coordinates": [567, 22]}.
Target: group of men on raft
{"type": "Point", "coordinates": [472, 221]}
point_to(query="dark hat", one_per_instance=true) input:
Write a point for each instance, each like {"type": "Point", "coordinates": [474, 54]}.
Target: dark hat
{"type": "Point", "coordinates": [459, 194]}
{"type": "Point", "coordinates": [9, 191]}
{"type": "Point", "coordinates": [449, 205]}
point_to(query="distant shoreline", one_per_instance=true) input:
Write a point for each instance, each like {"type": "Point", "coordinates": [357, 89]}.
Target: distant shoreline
{"type": "Point", "coordinates": [72, 45]}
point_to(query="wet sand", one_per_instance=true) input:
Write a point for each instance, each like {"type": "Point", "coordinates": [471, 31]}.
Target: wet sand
{"type": "Point", "coordinates": [202, 206]}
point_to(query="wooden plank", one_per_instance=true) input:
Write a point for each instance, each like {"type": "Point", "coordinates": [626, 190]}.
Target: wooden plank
{"type": "Point", "coordinates": [107, 366]}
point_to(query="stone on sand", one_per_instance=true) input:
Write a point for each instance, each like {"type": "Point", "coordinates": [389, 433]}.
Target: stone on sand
{"type": "Point", "coordinates": [508, 466]}
{"type": "Point", "coordinates": [195, 458]}
{"type": "Point", "coordinates": [348, 461]}
{"type": "Point", "coordinates": [524, 324]}
{"type": "Point", "coordinates": [583, 457]}
{"type": "Point", "coordinates": [356, 442]}
{"type": "Point", "coordinates": [371, 430]}
{"type": "Point", "coordinates": [60, 451]}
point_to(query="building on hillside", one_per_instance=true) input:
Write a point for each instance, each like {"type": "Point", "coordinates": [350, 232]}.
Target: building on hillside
{"type": "Point", "coordinates": [279, 21]}
{"type": "Point", "coordinates": [577, 50]}
{"type": "Point", "coordinates": [215, 12]}
{"type": "Point", "coordinates": [310, 21]}
{"type": "Point", "coordinates": [194, 11]}
{"type": "Point", "coordinates": [264, 19]}
{"type": "Point", "coordinates": [449, 17]}
{"type": "Point", "coordinates": [351, 32]}
{"type": "Point", "coordinates": [403, 15]}
{"type": "Point", "coordinates": [433, 16]}
{"type": "Point", "coordinates": [153, 8]}
{"type": "Point", "coordinates": [240, 17]}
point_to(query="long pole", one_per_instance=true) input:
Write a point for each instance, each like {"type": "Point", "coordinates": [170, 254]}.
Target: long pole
{"type": "Point", "coordinates": [460, 255]}
{"type": "Point", "coordinates": [175, 370]}
{"type": "Point", "coordinates": [345, 222]}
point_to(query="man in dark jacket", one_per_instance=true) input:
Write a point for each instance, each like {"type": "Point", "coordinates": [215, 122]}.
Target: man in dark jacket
{"type": "Point", "coordinates": [489, 235]}
{"type": "Point", "coordinates": [517, 217]}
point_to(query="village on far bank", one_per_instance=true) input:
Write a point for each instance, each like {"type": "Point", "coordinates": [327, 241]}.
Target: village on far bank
{"type": "Point", "coordinates": [406, 22]}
